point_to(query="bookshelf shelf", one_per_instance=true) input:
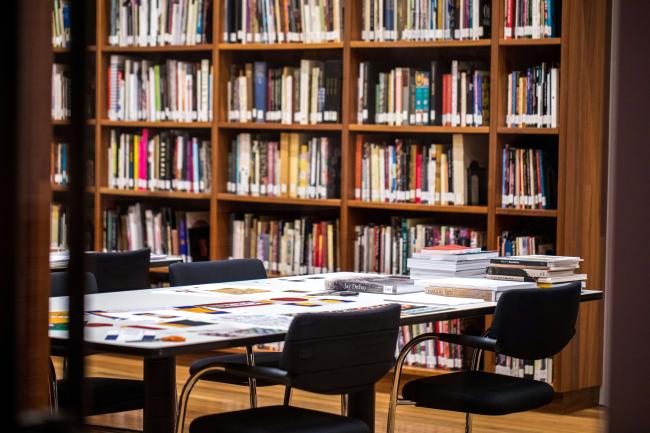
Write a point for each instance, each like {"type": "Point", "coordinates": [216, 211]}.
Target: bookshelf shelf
{"type": "Point", "coordinates": [420, 129]}
{"type": "Point", "coordinates": [282, 126]}
{"type": "Point", "coordinates": [420, 44]}
{"type": "Point", "coordinates": [158, 49]}
{"type": "Point", "coordinates": [281, 47]}
{"type": "Point", "coordinates": [418, 207]}
{"type": "Point", "coordinates": [158, 194]}
{"type": "Point", "coordinates": [528, 131]}
{"type": "Point", "coordinates": [66, 122]}
{"type": "Point", "coordinates": [529, 42]}
{"type": "Point", "coordinates": [331, 202]}
{"type": "Point", "coordinates": [165, 124]}
{"type": "Point", "coordinates": [545, 213]}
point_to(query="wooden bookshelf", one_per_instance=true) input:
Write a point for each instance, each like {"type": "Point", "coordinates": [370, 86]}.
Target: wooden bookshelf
{"type": "Point", "coordinates": [576, 225]}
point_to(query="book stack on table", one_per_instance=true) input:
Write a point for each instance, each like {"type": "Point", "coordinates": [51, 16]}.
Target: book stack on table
{"type": "Point", "coordinates": [545, 271]}
{"type": "Point", "coordinates": [449, 261]}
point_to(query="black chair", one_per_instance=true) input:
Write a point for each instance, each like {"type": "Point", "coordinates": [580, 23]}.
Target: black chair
{"type": "Point", "coordinates": [59, 281]}
{"type": "Point", "coordinates": [224, 271]}
{"type": "Point", "coordinates": [119, 271]}
{"type": "Point", "coordinates": [528, 324]}
{"type": "Point", "coordinates": [107, 394]}
{"type": "Point", "coordinates": [326, 353]}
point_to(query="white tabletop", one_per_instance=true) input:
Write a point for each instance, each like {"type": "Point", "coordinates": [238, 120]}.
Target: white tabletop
{"type": "Point", "coordinates": [226, 314]}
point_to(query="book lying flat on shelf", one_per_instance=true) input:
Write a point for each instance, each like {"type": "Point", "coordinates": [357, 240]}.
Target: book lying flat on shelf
{"type": "Point", "coordinates": [478, 288]}
{"type": "Point", "coordinates": [539, 261]}
{"type": "Point", "coordinates": [383, 284]}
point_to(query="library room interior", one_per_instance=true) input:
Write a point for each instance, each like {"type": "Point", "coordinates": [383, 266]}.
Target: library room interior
{"type": "Point", "coordinates": [325, 216]}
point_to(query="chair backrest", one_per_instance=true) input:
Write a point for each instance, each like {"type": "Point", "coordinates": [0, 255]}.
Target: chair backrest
{"type": "Point", "coordinates": [220, 271]}
{"type": "Point", "coordinates": [536, 323]}
{"type": "Point", "coordinates": [117, 272]}
{"type": "Point", "coordinates": [59, 280]}
{"type": "Point", "coordinates": [340, 352]}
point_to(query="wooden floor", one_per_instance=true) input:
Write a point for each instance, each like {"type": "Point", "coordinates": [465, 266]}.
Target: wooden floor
{"type": "Point", "coordinates": [211, 398]}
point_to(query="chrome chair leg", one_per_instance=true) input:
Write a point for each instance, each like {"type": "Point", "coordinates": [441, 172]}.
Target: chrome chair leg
{"type": "Point", "coordinates": [53, 389]}
{"type": "Point", "coordinates": [287, 396]}
{"type": "Point", "coordinates": [468, 423]}
{"type": "Point", "coordinates": [252, 382]}
{"type": "Point", "coordinates": [185, 395]}
{"type": "Point", "coordinates": [344, 404]}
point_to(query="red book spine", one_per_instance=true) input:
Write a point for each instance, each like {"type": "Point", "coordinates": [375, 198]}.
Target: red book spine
{"type": "Point", "coordinates": [418, 175]}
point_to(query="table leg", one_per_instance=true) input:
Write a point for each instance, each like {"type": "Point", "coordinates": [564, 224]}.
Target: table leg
{"type": "Point", "coordinates": [160, 395]}
{"type": "Point", "coordinates": [361, 405]}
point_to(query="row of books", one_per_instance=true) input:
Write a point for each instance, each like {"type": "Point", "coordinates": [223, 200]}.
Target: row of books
{"type": "Point", "coordinates": [434, 353]}
{"type": "Point", "coordinates": [140, 89]}
{"type": "Point", "coordinates": [59, 163]}
{"type": "Point", "coordinates": [296, 165]}
{"type": "Point", "coordinates": [164, 231]}
{"type": "Point", "coordinates": [511, 243]}
{"type": "Point", "coordinates": [425, 20]}
{"type": "Point", "coordinates": [308, 94]}
{"type": "Point", "coordinates": [541, 369]}
{"type": "Point", "coordinates": [61, 92]}
{"type": "Point", "coordinates": [533, 97]}
{"type": "Point", "coordinates": [58, 227]}
{"type": "Point", "coordinates": [158, 22]}
{"type": "Point", "coordinates": [542, 270]}
{"type": "Point", "coordinates": [528, 179]}
{"type": "Point", "coordinates": [455, 96]}
{"type": "Point", "coordinates": [159, 161]}
{"type": "Point", "coordinates": [408, 171]}
{"type": "Point", "coordinates": [61, 24]}
{"type": "Point", "coordinates": [279, 21]}
{"type": "Point", "coordinates": [297, 246]}
{"type": "Point", "coordinates": [534, 19]}
{"type": "Point", "coordinates": [386, 248]}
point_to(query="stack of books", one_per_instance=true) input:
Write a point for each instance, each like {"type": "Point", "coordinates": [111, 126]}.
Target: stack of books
{"type": "Point", "coordinates": [449, 261]}
{"type": "Point", "coordinates": [475, 288]}
{"type": "Point", "coordinates": [545, 271]}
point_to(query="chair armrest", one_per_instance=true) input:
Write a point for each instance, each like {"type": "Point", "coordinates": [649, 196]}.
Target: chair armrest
{"type": "Point", "coordinates": [270, 374]}
{"type": "Point", "coordinates": [475, 341]}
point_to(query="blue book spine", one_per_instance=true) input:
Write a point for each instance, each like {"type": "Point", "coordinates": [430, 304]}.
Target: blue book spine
{"type": "Point", "coordinates": [182, 238]}
{"type": "Point", "coordinates": [64, 163]}
{"type": "Point", "coordinates": [260, 90]}
{"type": "Point", "coordinates": [199, 22]}
{"type": "Point", "coordinates": [195, 164]}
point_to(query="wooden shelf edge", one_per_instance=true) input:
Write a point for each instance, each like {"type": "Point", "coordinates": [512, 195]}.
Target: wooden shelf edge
{"type": "Point", "coordinates": [64, 188]}
{"type": "Point", "coordinates": [417, 207]}
{"type": "Point", "coordinates": [546, 213]}
{"type": "Point", "coordinates": [421, 44]}
{"type": "Point", "coordinates": [282, 126]}
{"type": "Point", "coordinates": [421, 129]}
{"type": "Point", "coordinates": [157, 48]}
{"type": "Point", "coordinates": [163, 124]}
{"type": "Point", "coordinates": [530, 42]}
{"type": "Point", "coordinates": [330, 202]}
{"type": "Point", "coordinates": [528, 131]}
{"type": "Point", "coordinates": [282, 46]}
{"type": "Point", "coordinates": [156, 194]}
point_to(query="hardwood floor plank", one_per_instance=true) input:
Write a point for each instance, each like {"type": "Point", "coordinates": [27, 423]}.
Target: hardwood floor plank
{"type": "Point", "coordinates": [211, 398]}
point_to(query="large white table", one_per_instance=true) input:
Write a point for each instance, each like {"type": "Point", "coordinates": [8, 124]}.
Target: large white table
{"type": "Point", "coordinates": [247, 313]}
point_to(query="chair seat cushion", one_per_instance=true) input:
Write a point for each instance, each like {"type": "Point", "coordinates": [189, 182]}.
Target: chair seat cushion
{"type": "Point", "coordinates": [264, 359]}
{"type": "Point", "coordinates": [109, 395]}
{"type": "Point", "coordinates": [478, 392]}
{"type": "Point", "coordinates": [277, 419]}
